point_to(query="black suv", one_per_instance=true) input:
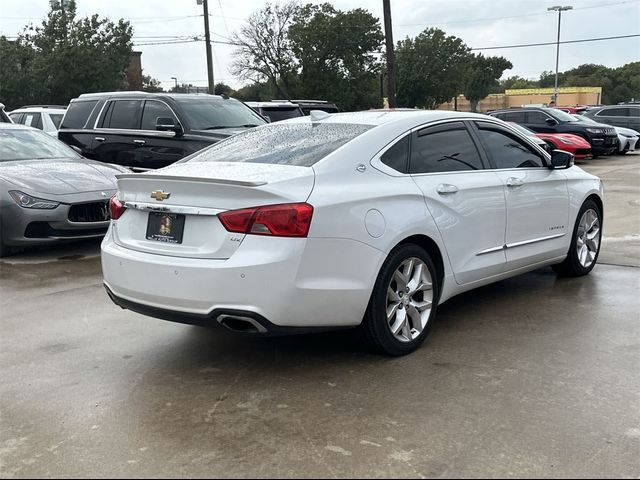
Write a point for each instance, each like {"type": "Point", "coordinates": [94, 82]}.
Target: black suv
{"type": "Point", "coordinates": [625, 115]}
{"type": "Point", "coordinates": [603, 138]}
{"type": "Point", "coordinates": [151, 130]}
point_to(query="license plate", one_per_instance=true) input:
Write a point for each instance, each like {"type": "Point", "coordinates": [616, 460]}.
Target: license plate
{"type": "Point", "coordinates": [165, 227]}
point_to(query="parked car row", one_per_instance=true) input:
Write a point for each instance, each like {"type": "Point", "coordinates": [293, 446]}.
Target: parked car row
{"type": "Point", "coordinates": [603, 139]}
{"type": "Point", "coordinates": [135, 131]}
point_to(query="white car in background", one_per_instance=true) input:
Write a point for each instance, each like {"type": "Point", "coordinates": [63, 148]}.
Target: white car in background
{"type": "Point", "coordinates": [276, 110]}
{"type": "Point", "coordinates": [368, 220]}
{"type": "Point", "coordinates": [44, 117]}
{"type": "Point", "coordinates": [627, 138]}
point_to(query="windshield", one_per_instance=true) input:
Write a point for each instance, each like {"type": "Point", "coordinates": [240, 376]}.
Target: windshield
{"type": "Point", "coordinates": [213, 113]}
{"type": "Point", "coordinates": [560, 115]}
{"type": "Point", "coordinates": [523, 130]}
{"type": "Point", "coordinates": [281, 113]}
{"type": "Point", "coordinates": [300, 144]}
{"type": "Point", "coordinates": [31, 144]}
{"type": "Point", "coordinates": [583, 119]}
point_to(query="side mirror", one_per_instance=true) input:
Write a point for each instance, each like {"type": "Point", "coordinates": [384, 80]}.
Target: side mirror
{"type": "Point", "coordinates": [551, 122]}
{"type": "Point", "coordinates": [561, 160]}
{"type": "Point", "coordinates": [167, 124]}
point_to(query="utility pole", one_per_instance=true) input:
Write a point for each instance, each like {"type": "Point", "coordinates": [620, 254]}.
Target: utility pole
{"type": "Point", "coordinates": [176, 80]}
{"type": "Point", "coordinates": [558, 9]}
{"type": "Point", "coordinates": [207, 39]}
{"type": "Point", "coordinates": [391, 55]}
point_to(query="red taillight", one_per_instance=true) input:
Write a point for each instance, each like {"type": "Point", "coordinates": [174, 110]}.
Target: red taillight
{"type": "Point", "coordinates": [116, 208]}
{"type": "Point", "coordinates": [287, 220]}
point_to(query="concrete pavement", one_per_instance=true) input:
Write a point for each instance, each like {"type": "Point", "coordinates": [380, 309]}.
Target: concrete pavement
{"type": "Point", "coordinates": [536, 376]}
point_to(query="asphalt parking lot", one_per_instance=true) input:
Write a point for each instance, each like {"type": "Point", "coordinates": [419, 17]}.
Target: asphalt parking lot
{"type": "Point", "coordinates": [535, 376]}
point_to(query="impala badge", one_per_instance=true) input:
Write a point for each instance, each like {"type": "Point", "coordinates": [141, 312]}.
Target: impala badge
{"type": "Point", "coordinates": [159, 195]}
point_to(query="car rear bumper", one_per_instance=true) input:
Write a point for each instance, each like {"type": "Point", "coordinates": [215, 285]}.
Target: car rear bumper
{"type": "Point", "coordinates": [286, 282]}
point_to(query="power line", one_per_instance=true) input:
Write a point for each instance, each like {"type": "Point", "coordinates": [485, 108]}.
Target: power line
{"type": "Point", "coordinates": [554, 43]}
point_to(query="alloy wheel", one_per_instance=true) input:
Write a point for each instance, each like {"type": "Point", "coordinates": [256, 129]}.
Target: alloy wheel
{"type": "Point", "coordinates": [588, 238]}
{"type": "Point", "coordinates": [409, 299]}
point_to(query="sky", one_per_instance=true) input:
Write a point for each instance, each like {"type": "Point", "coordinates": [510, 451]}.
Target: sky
{"type": "Point", "coordinates": [480, 23]}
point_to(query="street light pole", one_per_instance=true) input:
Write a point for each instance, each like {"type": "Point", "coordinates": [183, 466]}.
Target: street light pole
{"type": "Point", "coordinates": [558, 9]}
{"type": "Point", "coordinates": [176, 80]}
{"type": "Point", "coordinates": [391, 55]}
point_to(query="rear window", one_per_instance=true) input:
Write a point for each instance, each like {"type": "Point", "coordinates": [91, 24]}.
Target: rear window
{"type": "Point", "coordinates": [613, 112]}
{"type": "Point", "coordinates": [298, 144]}
{"type": "Point", "coordinates": [29, 144]}
{"type": "Point", "coordinates": [281, 113]}
{"type": "Point", "coordinates": [77, 114]}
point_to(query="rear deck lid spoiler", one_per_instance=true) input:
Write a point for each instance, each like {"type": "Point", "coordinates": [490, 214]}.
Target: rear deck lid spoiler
{"type": "Point", "coordinates": [223, 181]}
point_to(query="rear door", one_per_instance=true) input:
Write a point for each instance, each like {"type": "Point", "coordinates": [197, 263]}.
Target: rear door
{"type": "Point", "coordinates": [618, 116]}
{"type": "Point", "coordinates": [537, 121]}
{"type": "Point", "coordinates": [115, 138]}
{"type": "Point", "coordinates": [537, 198]}
{"type": "Point", "coordinates": [464, 196]}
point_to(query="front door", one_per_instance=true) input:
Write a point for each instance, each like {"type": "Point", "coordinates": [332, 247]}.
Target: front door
{"type": "Point", "coordinates": [464, 197]}
{"type": "Point", "coordinates": [537, 199]}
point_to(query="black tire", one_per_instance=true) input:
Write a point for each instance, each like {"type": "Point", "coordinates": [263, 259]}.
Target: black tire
{"type": "Point", "coordinates": [571, 266]}
{"type": "Point", "coordinates": [375, 328]}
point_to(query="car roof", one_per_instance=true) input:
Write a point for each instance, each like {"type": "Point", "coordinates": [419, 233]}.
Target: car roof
{"type": "Point", "coordinates": [409, 117]}
{"type": "Point", "coordinates": [273, 104]}
{"type": "Point", "coordinates": [40, 109]}
{"type": "Point", "coordinates": [137, 94]}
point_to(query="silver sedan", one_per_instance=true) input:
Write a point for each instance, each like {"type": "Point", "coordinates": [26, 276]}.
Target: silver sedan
{"type": "Point", "coordinates": [49, 193]}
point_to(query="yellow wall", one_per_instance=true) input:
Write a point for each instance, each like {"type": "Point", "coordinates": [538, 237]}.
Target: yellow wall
{"type": "Point", "coordinates": [567, 96]}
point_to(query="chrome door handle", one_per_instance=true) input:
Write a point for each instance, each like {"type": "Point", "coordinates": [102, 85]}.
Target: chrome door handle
{"type": "Point", "coordinates": [99, 139]}
{"type": "Point", "coordinates": [446, 189]}
{"type": "Point", "coordinates": [139, 142]}
{"type": "Point", "coordinates": [514, 182]}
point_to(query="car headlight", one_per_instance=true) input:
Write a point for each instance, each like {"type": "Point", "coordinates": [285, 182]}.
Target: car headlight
{"type": "Point", "coordinates": [627, 135]}
{"type": "Point", "coordinates": [595, 130]}
{"type": "Point", "coordinates": [27, 201]}
{"type": "Point", "coordinates": [565, 141]}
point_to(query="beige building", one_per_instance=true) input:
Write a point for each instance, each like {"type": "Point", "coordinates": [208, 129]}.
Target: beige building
{"type": "Point", "coordinates": [567, 96]}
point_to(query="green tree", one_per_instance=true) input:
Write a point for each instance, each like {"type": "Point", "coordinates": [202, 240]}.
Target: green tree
{"type": "Point", "coordinates": [515, 82]}
{"type": "Point", "coordinates": [66, 56]}
{"type": "Point", "coordinates": [151, 85]}
{"type": "Point", "coordinates": [431, 68]}
{"type": "Point", "coordinates": [264, 53]}
{"type": "Point", "coordinates": [483, 73]}
{"type": "Point", "coordinates": [220, 88]}
{"type": "Point", "coordinates": [335, 52]}
{"type": "Point", "coordinates": [18, 84]}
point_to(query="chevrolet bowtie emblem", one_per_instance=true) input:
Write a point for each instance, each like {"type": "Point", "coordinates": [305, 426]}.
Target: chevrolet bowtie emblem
{"type": "Point", "coordinates": [159, 195]}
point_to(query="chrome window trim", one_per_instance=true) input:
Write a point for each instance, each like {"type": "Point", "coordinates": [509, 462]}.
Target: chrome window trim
{"type": "Point", "coordinates": [113, 130]}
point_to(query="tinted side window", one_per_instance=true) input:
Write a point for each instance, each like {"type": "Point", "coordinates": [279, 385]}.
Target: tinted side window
{"type": "Point", "coordinates": [613, 112]}
{"type": "Point", "coordinates": [536, 118]}
{"type": "Point", "coordinates": [32, 120]}
{"type": "Point", "coordinates": [507, 151]}
{"type": "Point", "coordinates": [515, 117]}
{"type": "Point", "coordinates": [56, 118]}
{"type": "Point", "coordinates": [153, 110]}
{"type": "Point", "coordinates": [444, 149]}
{"type": "Point", "coordinates": [77, 114]}
{"type": "Point", "coordinates": [124, 114]}
{"type": "Point", "coordinates": [396, 157]}
{"type": "Point", "coordinates": [16, 117]}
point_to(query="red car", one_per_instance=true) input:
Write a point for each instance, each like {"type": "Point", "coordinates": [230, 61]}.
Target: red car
{"type": "Point", "coordinates": [580, 148]}
{"type": "Point", "coordinates": [572, 110]}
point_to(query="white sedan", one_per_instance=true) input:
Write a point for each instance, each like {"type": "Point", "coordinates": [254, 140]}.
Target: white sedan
{"type": "Point", "coordinates": [366, 220]}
